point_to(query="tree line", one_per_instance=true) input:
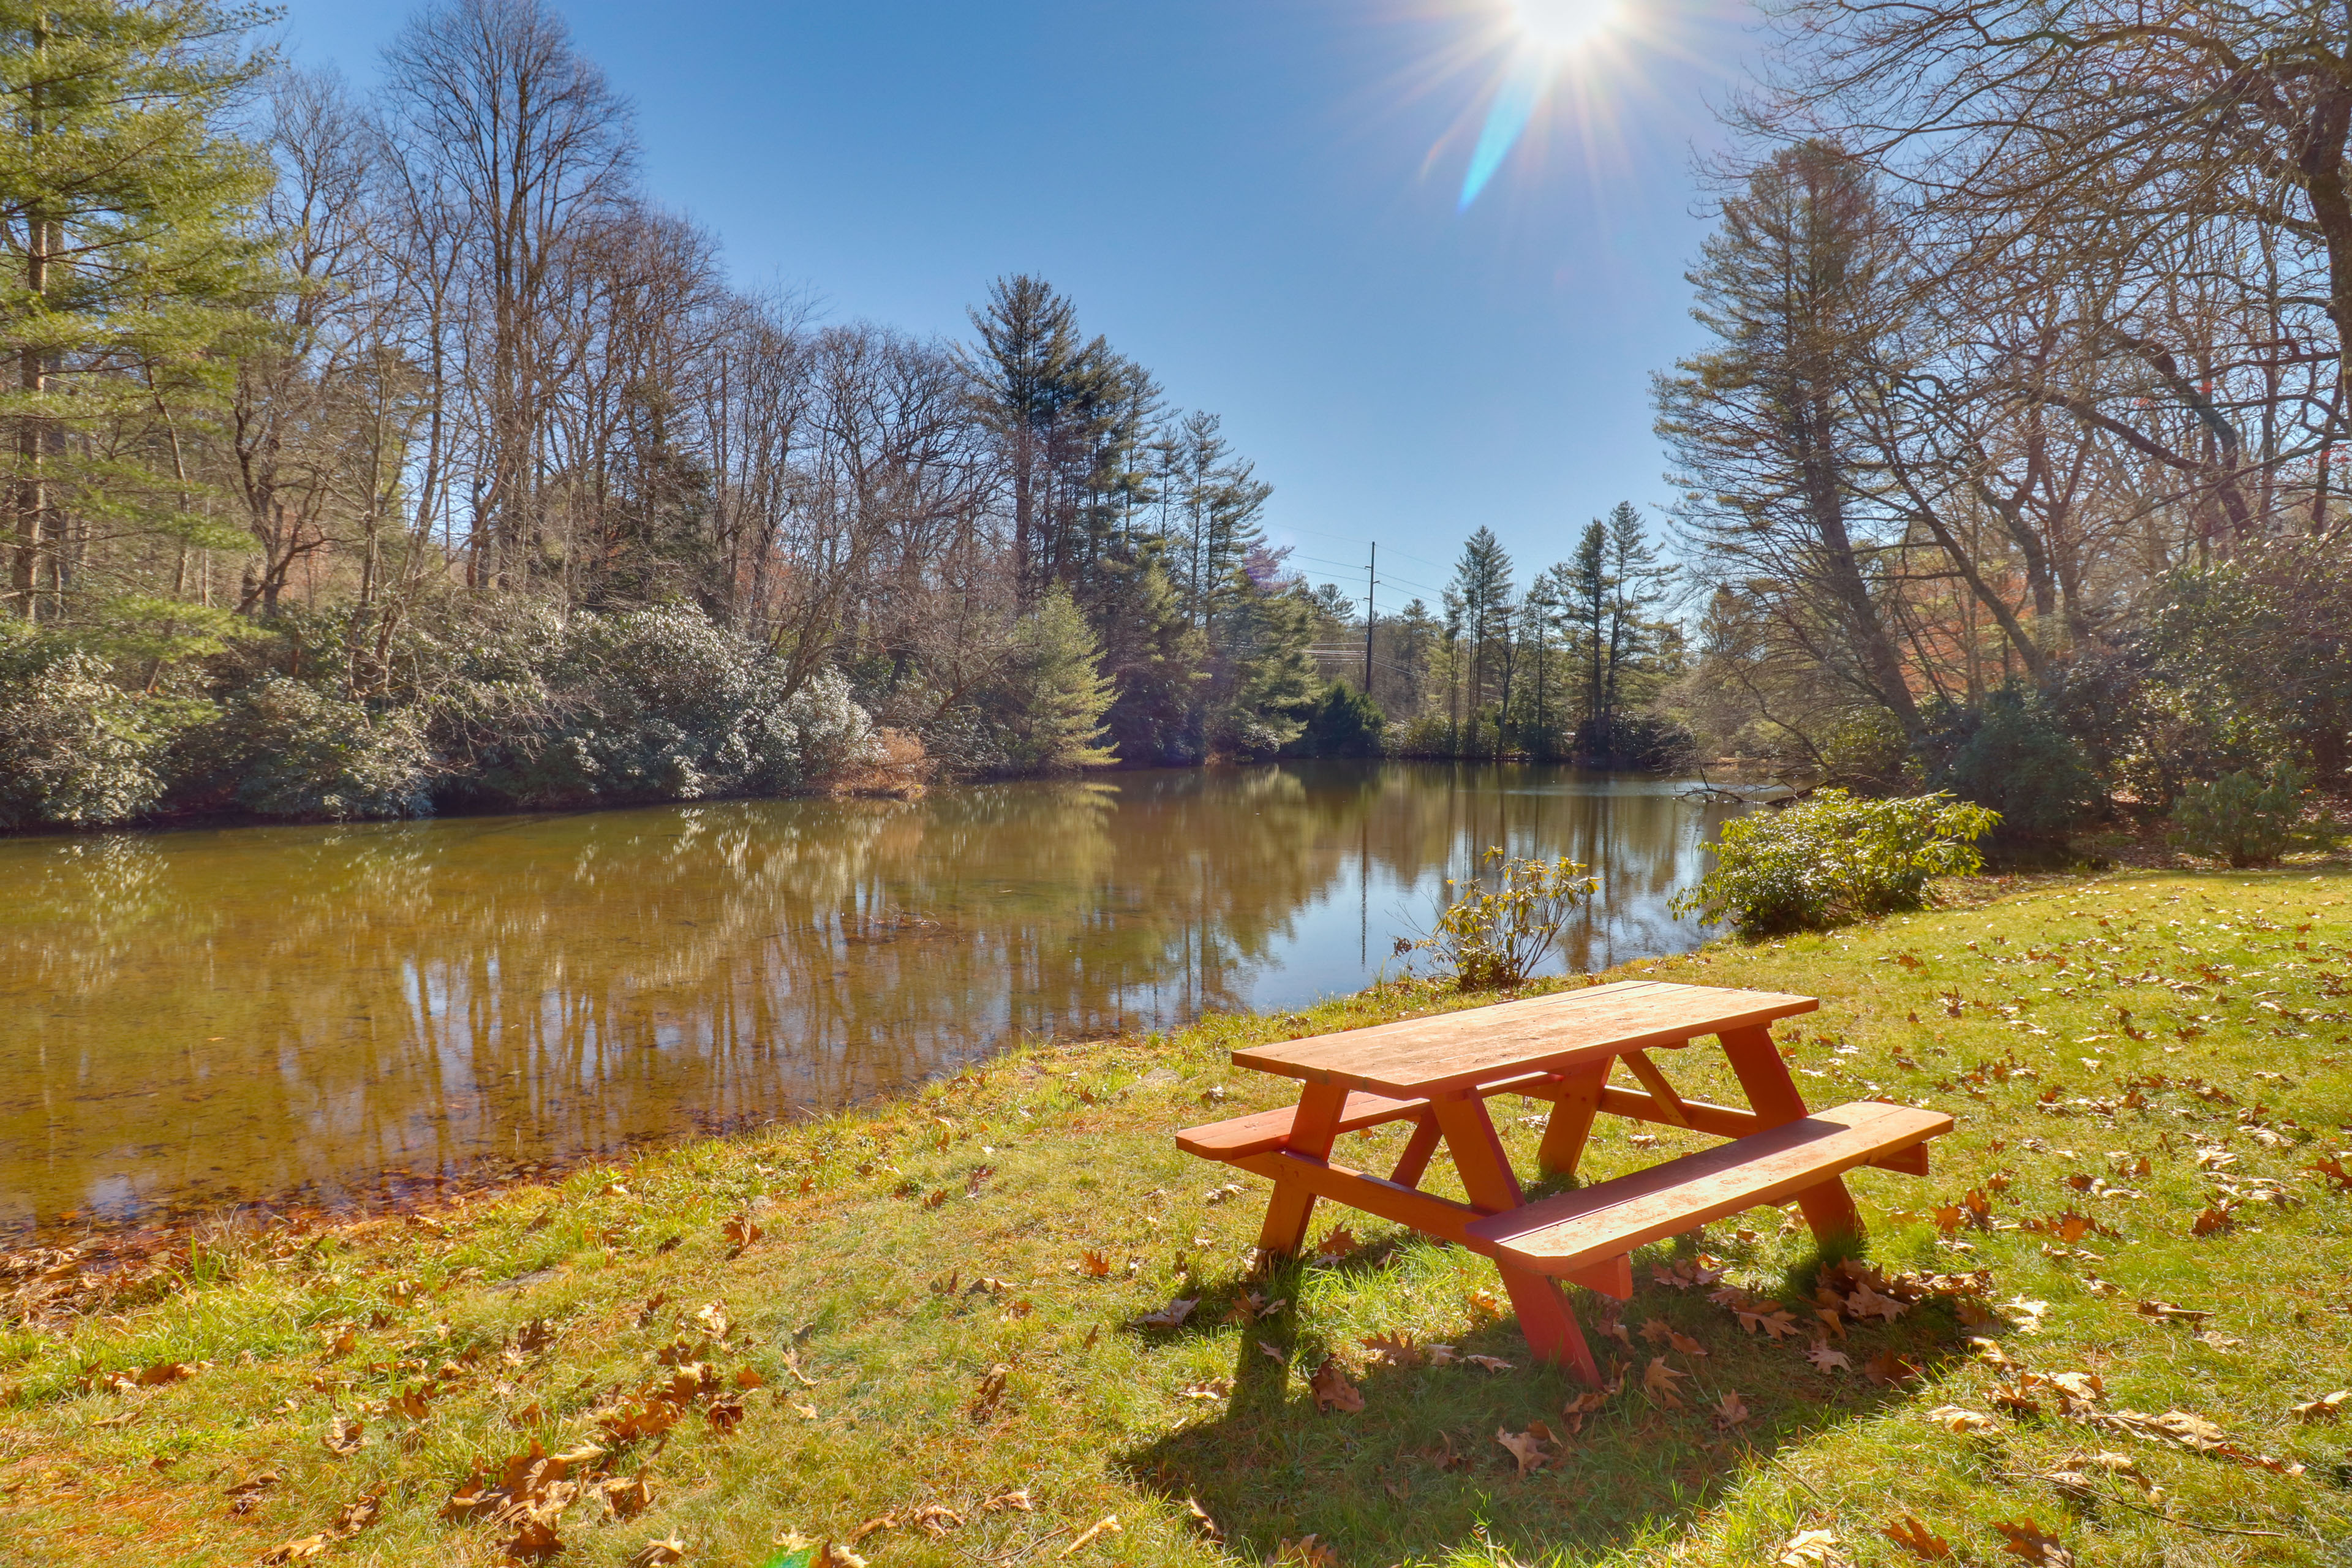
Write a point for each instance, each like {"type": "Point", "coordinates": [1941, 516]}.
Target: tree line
{"type": "Point", "coordinates": [2015, 462]}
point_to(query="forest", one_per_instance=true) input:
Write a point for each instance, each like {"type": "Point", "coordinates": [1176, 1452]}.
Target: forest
{"type": "Point", "coordinates": [370, 455]}
{"type": "Point", "coordinates": [378, 455]}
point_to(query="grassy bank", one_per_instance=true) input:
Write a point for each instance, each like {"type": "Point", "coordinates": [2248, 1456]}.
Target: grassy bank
{"type": "Point", "coordinates": [940, 1342]}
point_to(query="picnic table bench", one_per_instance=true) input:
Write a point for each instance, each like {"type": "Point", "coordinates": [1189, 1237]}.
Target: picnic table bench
{"type": "Point", "coordinates": [1438, 1072]}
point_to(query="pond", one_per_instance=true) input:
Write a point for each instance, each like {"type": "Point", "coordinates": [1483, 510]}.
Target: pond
{"type": "Point", "coordinates": [331, 1014]}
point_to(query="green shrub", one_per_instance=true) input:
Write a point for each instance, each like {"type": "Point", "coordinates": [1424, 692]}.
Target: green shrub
{"type": "Point", "coordinates": [1489, 938]}
{"type": "Point", "coordinates": [2011, 756]}
{"type": "Point", "coordinates": [75, 750]}
{"type": "Point", "coordinates": [1344, 722]}
{"type": "Point", "coordinates": [291, 750]}
{"type": "Point", "coordinates": [1836, 858]}
{"type": "Point", "coordinates": [2239, 818]}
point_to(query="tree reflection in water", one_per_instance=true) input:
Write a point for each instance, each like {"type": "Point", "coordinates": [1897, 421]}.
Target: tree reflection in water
{"type": "Point", "coordinates": [194, 1016]}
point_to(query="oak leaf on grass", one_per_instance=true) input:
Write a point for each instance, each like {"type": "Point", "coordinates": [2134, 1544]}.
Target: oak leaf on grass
{"type": "Point", "coordinates": [1331, 1388]}
{"type": "Point", "coordinates": [1915, 1537]}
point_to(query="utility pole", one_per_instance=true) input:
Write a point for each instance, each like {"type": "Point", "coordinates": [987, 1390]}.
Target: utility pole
{"type": "Point", "coordinates": [1371, 581]}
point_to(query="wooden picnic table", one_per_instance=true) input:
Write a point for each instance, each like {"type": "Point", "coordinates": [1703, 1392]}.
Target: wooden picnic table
{"type": "Point", "coordinates": [1438, 1072]}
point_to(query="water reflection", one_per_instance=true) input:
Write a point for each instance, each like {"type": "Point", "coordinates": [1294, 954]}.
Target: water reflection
{"type": "Point", "coordinates": [195, 1017]}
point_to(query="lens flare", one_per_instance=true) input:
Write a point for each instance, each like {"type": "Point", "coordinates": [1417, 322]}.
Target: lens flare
{"type": "Point", "coordinates": [1560, 24]}
{"type": "Point", "coordinates": [1545, 40]}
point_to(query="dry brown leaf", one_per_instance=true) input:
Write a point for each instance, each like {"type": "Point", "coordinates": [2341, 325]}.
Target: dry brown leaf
{"type": "Point", "coordinates": [1824, 1358]}
{"type": "Point", "coordinates": [1525, 1447]}
{"type": "Point", "coordinates": [1106, 1525]}
{"type": "Point", "coordinates": [1489, 1363]}
{"type": "Point", "coordinates": [1094, 1264]}
{"type": "Point", "coordinates": [1337, 1245]}
{"type": "Point", "coordinates": [534, 1541]}
{"type": "Point", "coordinates": [1657, 1331]}
{"type": "Point", "coordinates": [1660, 1380]}
{"type": "Point", "coordinates": [357, 1515]}
{"type": "Point", "coordinates": [1889, 1367]}
{"type": "Point", "coordinates": [1915, 1537]}
{"type": "Point", "coordinates": [1484, 1303]}
{"type": "Point", "coordinates": [2326, 1407]}
{"type": "Point", "coordinates": [653, 1553]}
{"type": "Point", "coordinates": [936, 1519]}
{"type": "Point", "coordinates": [1172, 1315]}
{"type": "Point", "coordinates": [1215, 1388]}
{"type": "Point", "coordinates": [1958, 1418]}
{"type": "Point", "coordinates": [344, 1434]}
{"type": "Point", "coordinates": [1730, 1411]}
{"type": "Point", "coordinates": [301, 1551]}
{"type": "Point", "coordinates": [1810, 1549]}
{"type": "Point", "coordinates": [1684, 1343]}
{"type": "Point", "coordinates": [1272, 1353]}
{"type": "Point", "coordinates": [1331, 1388]}
{"type": "Point", "coordinates": [2025, 1538]}
{"type": "Point", "coordinates": [1396, 1350]}
{"type": "Point", "coordinates": [625, 1496]}
{"type": "Point", "coordinates": [2210, 1221]}
{"type": "Point", "coordinates": [1016, 1500]}
{"type": "Point", "coordinates": [712, 1320]}
{"type": "Point", "coordinates": [1308, 1551]}
{"type": "Point", "coordinates": [991, 1389]}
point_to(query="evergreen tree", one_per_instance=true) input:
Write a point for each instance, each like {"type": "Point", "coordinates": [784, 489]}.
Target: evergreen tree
{"type": "Point", "coordinates": [1265, 679]}
{"type": "Point", "coordinates": [1056, 693]}
{"type": "Point", "coordinates": [1482, 584]}
{"type": "Point", "coordinates": [124, 202]}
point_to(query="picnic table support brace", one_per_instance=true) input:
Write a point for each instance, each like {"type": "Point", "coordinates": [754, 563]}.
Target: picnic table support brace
{"type": "Point", "coordinates": [1414, 1162]}
{"type": "Point", "coordinates": [1829, 1207]}
{"type": "Point", "coordinates": [1578, 1102]}
{"type": "Point", "coordinates": [1312, 1133]}
{"type": "Point", "coordinates": [1487, 1179]}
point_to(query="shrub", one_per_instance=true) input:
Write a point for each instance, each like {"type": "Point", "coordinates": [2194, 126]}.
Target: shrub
{"type": "Point", "coordinates": [2011, 756]}
{"type": "Point", "coordinates": [1489, 938]}
{"type": "Point", "coordinates": [75, 750]}
{"type": "Point", "coordinates": [2239, 818]}
{"type": "Point", "coordinates": [1836, 858]}
{"type": "Point", "coordinates": [1049, 702]}
{"type": "Point", "coordinates": [291, 750]}
{"type": "Point", "coordinates": [1344, 722]}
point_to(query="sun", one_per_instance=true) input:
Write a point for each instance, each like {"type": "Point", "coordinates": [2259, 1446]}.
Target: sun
{"type": "Point", "coordinates": [1560, 26]}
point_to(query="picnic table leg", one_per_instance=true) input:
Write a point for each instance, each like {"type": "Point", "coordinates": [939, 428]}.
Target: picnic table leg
{"type": "Point", "coordinates": [1544, 1317]}
{"type": "Point", "coordinates": [1571, 1118]}
{"type": "Point", "coordinates": [1772, 1094]}
{"type": "Point", "coordinates": [1312, 1131]}
{"type": "Point", "coordinates": [1414, 1163]}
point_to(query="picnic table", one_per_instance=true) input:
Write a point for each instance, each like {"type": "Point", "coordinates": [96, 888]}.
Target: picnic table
{"type": "Point", "coordinates": [1438, 1073]}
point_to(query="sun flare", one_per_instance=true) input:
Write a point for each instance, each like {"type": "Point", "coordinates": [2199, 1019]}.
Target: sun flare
{"type": "Point", "coordinates": [1559, 27]}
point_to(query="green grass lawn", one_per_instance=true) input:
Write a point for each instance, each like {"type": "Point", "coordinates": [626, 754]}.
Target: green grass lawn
{"type": "Point", "coordinates": [939, 1349]}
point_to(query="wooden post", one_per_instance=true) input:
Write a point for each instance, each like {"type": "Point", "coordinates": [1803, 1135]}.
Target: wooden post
{"type": "Point", "coordinates": [1414, 1162]}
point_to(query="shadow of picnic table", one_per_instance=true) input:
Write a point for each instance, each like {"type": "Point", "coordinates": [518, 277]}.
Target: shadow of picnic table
{"type": "Point", "coordinates": [1418, 1471]}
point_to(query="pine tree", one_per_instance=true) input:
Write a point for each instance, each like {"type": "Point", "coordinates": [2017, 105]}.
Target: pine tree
{"type": "Point", "coordinates": [1482, 584]}
{"type": "Point", "coordinates": [1058, 693]}
{"type": "Point", "coordinates": [124, 202]}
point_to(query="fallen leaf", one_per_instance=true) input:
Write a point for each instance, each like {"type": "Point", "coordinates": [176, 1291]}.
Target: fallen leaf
{"type": "Point", "coordinates": [1337, 1245]}
{"type": "Point", "coordinates": [1827, 1360]}
{"type": "Point", "coordinates": [1016, 1500]}
{"type": "Point", "coordinates": [1916, 1538]}
{"type": "Point", "coordinates": [1957, 1418]}
{"type": "Point", "coordinates": [1888, 1367]}
{"type": "Point", "coordinates": [301, 1551]}
{"type": "Point", "coordinates": [936, 1519]}
{"type": "Point", "coordinates": [2169, 1314]}
{"type": "Point", "coordinates": [2210, 1221]}
{"type": "Point", "coordinates": [1272, 1354]}
{"type": "Point", "coordinates": [1660, 1381]}
{"type": "Point", "coordinates": [1106, 1525]}
{"type": "Point", "coordinates": [1657, 1331]}
{"type": "Point", "coordinates": [2025, 1538]}
{"type": "Point", "coordinates": [2326, 1407]}
{"type": "Point", "coordinates": [625, 1496]}
{"type": "Point", "coordinates": [1094, 1265]}
{"type": "Point", "coordinates": [1215, 1388]}
{"type": "Point", "coordinates": [740, 1232]}
{"type": "Point", "coordinates": [1492, 1364]}
{"type": "Point", "coordinates": [1396, 1350]}
{"type": "Point", "coordinates": [1730, 1410]}
{"type": "Point", "coordinates": [655, 1552]}
{"type": "Point", "coordinates": [357, 1515]}
{"type": "Point", "coordinates": [1331, 1388]}
{"type": "Point", "coordinates": [1172, 1315]}
{"type": "Point", "coordinates": [1810, 1548]}
{"type": "Point", "coordinates": [712, 1320]}
{"type": "Point", "coordinates": [991, 1389]}
{"type": "Point", "coordinates": [534, 1541]}
{"type": "Point", "coordinates": [163, 1372]}
{"type": "Point", "coordinates": [1484, 1303]}
{"type": "Point", "coordinates": [1684, 1343]}
{"type": "Point", "coordinates": [1524, 1447]}
{"type": "Point", "coordinates": [1308, 1551]}
{"type": "Point", "coordinates": [344, 1435]}
{"type": "Point", "coordinates": [1200, 1516]}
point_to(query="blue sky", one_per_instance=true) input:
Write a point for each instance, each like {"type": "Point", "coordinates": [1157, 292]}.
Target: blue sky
{"type": "Point", "coordinates": [1256, 198]}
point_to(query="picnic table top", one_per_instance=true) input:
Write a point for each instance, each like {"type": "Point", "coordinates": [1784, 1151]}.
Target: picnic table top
{"type": "Point", "coordinates": [1420, 1057]}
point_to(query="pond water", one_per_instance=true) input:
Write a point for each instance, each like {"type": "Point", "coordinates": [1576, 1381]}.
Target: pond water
{"type": "Point", "coordinates": [328, 1013]}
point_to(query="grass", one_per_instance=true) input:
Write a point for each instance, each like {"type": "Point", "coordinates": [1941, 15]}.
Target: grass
{"type": "Point", "coordinates": [947, 1304]}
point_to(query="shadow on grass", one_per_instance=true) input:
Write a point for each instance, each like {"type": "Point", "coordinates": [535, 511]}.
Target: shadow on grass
{"type": "Point", "coordinates": [1418, 1473]}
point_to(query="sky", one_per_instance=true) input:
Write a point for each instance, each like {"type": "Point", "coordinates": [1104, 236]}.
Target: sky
{"type": "Point", "coordinates": [1260, 200]}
